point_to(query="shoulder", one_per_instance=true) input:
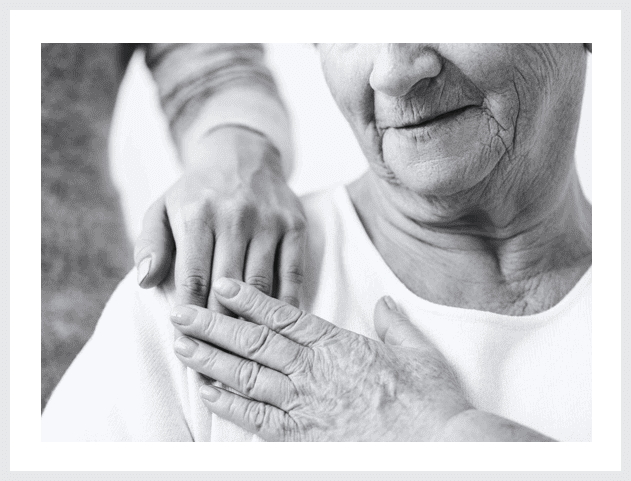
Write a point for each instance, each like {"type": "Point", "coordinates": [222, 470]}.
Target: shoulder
{"type": "Point", "coordinates": [124, 377]}
{"type": "Point", "coordinates": [327, 211]}
{"type": "Point", "coordinates": [141, 312]}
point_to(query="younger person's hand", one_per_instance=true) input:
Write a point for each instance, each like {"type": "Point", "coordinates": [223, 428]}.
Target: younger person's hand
{"type": "Point", "coordinates": [231, 214]}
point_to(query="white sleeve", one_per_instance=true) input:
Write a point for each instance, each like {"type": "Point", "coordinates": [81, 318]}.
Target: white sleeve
{"type": "Point", "coordinates": [126, 384]}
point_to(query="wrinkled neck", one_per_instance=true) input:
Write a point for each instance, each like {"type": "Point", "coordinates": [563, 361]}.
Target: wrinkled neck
{"type": "Point", "coordinates": [446, 245]}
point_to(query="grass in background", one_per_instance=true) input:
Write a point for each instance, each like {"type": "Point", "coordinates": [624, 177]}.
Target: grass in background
{"type": "Point", "coordinates": [85, 252]}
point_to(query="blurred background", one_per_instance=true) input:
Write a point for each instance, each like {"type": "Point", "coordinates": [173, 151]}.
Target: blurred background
{"type": "Point", "coordinates": [107, 155]}
{"type": "Point", "coordinates": [85, 247]}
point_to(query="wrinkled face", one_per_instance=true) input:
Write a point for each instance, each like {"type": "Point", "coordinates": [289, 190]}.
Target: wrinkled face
{"type": "Point", "coordinates": [442, 118]}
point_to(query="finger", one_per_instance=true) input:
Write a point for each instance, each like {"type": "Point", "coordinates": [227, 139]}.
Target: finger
{"type": "Point", "coordinates": [291, 268]}
{"type": "Point", "coordinates": [394, 328]}
{"type": "Point", "coordinates": [228, 260]}
{"type": "Point", "coordinates": [280, 317]}
{"type": "Point", "coordinates": [193, 256]}
{"type": "Point", "coordinates": [268, 422]}
{"type": "Point", "coordinates": [154, 248]}
{"type": "Point", "coordinates": [248, 377]}
{"type": "Point", "coordinates": [259, 263]}
{"type": "Point", "coordinates": [246, 339]}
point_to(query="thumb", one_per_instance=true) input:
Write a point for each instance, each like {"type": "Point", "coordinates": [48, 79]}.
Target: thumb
{"type": "Point", "coordinates": [394, 328]}
{"type": "Point", "coordinates": [154, 248]}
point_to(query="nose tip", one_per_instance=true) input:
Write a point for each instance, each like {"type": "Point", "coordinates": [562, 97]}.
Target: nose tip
{"type": "Point", "coordinates": [398, 68]}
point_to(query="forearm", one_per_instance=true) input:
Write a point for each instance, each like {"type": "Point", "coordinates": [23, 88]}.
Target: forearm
{"type": "Point", "coordinates": [475, 425]}
{"type": "Point", "coordinates": [204, 87]}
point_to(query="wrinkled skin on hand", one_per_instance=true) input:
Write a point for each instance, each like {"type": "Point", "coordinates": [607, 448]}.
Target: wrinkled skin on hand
{"type": "Point", "coordinates": [377, 392]}
{"type": "Point", "coordinates": [230, 214]}
{"type": "Point", "coordinates": [302, 378]}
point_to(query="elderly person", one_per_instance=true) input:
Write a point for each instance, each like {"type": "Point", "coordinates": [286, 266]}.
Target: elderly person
{"type": "Point", "coordinates": [471, 220]}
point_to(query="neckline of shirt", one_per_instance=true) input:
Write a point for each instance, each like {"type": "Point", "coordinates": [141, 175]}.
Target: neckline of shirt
{"type": "Point", "coordinates": [367, 254]}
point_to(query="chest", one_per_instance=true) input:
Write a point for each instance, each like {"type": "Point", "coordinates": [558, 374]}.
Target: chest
{"type": "Point", "coordinates": [538, 374]}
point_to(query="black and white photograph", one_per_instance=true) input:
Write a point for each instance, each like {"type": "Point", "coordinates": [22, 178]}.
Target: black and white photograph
{"type": "Point", "coordinates": [316, 242]}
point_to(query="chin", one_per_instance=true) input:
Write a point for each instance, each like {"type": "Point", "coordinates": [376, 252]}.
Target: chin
{"type": "Point", "coordinates": [443, 161]}
{"type": "Point", "coordinates": [442, 176]}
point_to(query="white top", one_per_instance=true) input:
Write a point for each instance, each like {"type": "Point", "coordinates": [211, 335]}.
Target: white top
{"type": "Point", "coordinates": [127, 384]}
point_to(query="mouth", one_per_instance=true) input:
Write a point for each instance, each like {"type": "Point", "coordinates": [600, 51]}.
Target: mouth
{"type": "Point", "coordinates": [436, 119]}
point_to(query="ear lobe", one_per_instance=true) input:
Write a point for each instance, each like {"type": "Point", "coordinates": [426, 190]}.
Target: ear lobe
{"type": "Point", "coordinates": [588, 46]}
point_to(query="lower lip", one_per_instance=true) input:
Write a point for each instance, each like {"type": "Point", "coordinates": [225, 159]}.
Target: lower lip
{"type": "Point", "coordinates": [442, 123]}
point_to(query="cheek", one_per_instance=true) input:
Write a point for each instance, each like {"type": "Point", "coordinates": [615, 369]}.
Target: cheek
{"type": "Point", "coordinates": [516, 81]}
{"type": "Point", "coordinates": [348, 78]}
{"type": "Point", "coordinates": [489, 66]}
{"type": "Point", "coordinates": [357, 106]}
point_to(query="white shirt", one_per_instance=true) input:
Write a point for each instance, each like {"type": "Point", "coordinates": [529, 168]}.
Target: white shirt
{"type": "Point", "coordinates": [127, 384]}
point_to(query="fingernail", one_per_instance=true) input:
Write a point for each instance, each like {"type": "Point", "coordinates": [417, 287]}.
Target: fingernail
{"type": "Point", "coordinates": [185, 346]}
{"type": "Point", "coordinates": [210, 393]}
{"type": "Point", "coordinates": [226, 288]}
{"type": "Point", "coordinates": [390, 303]}
{"type": "Point", "coordinates": [143, 269]}
{"type": "Point", "coordinates": [183, 315]}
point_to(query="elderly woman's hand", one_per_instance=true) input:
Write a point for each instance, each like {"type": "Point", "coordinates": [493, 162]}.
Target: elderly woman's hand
{"type": "Point", "coordinates": [307, 380]}
{"type": "Point", "coordinates": [231, 214]}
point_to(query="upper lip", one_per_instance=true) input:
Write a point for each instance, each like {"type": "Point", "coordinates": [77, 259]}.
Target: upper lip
{"type": "Point", "coordinates": [432, 116]}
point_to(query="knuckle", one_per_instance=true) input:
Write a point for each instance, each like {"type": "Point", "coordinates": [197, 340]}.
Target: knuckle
{"type": "Point", "coordinates": [256, 414]}
{"type": "Point", "coordinates": [256, 340]}
{"type": "Point", "coordinates": [198, 226]}
{"type": "Point", "coordinates": [208, 362]}
{"type": "Point", "coordinates": [252, 301]}
{"type": "Point", "coordinates": [283, 316]}
{"type": "Point", "coordinates": [326, 331]}
{"type": "Point", "coordinates": [208, 323]}
{"type": "Point", "coordinates": [234, 226]}
{"type": "Point", "coordinates": [195, 212]}
{"type": "Point", "coordinates": [196, 285]}
{"type": "Point", "coordinates": [298, 363]}
{"type": "Point", "coordinates": [261, 282]}
{"type": "Point", "coordinates": [248, 373]}
{"type": "Point", "coordinates": [236, 204]}
{"type": "Point", "coordinates": [296, 223]}
{"type": "Point", "coordinates": [271, 223]}
{"type": "Point", "coordinates": [238, 209]}
{"type": "Point", "coordinates": [292, 300]}
{"type": "Point", "coordinates": [293, 273]}
{"type": "Point", "coordinates": [234, 411]}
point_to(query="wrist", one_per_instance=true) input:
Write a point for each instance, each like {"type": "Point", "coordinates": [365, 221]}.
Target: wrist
{"type": "Point", "coordinates": [233, 149]}
{"type": "Point", "coordinates": [238, 110]}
